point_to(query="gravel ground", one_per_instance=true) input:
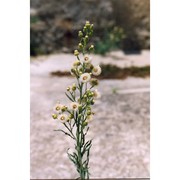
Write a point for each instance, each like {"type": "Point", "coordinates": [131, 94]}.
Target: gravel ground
{"type": "Point", "coordinates": [120, 130]}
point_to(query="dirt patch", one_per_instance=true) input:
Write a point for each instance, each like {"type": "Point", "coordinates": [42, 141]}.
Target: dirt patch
{"type": "Point", "coordinates": [113, 72]}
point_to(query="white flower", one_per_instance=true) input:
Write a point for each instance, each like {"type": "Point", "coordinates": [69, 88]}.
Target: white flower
{"type": "Point", "coordinates": [84, 78]}
{"type": "Point", "coordinates": [96, 94]}
{"type": "Point", "coordinates": [63, 117]}
{"type": "Point", "coordinates": [74, 106]}
{"type": "Point", "coordinates": [87, 59]}
{"type": "Point", "coordinates": [96, 70]}
{"type": "Point", "coordinates": [57, 107]}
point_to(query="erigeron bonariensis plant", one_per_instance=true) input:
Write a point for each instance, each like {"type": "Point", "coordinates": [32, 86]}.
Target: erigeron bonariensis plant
{"type": "Point", "coordinates": [78, 114]}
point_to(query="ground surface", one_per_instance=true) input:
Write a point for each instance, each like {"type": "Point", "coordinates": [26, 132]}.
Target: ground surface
{"type": "Point", "coordinates": [120, 130]}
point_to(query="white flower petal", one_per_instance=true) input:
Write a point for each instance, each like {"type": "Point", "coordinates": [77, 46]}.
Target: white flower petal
{"type": "Point", "coordinates": [85, 77]}
{"type": "Point", "coordinates": [63, 117]}
{"type": "Point", "coordinates": [87, 59]}
{"type": "Point", "coordinates": [74, 106]}
{"type": "Point", "coordinates": [57, 107]}
{"type": "Point", "coordinates": [97, 94]}
{"type": "Point", "coordinates": [96, 70]}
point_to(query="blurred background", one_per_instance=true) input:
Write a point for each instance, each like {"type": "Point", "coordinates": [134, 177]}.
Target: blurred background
{"type": "Point", "coordinates": [55, 23]}
{"type": "Point", "coordinates": [120, 130]}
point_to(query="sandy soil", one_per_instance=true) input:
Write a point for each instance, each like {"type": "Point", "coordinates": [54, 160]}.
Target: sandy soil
{"type": "Point", "coordinates": [120, 130]}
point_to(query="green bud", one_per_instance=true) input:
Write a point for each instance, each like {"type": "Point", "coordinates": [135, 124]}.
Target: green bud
{"type": "Point", "coordinates": [71, 116]}
{"type": "Point", "coordinates": [91, 47]}
{"type": "Point", "coordinates": [80, 45]}
{"type": "Point", "coordinates": [64, 108]}
{"type": "Point", "coordinates": [68, 89]}
{"type": "Point", "coordinates": [73, 70]}
{"type": "Point", "coordinates": [88, 113]}
{"type": "Point", "coordinates": [87, 24]}
{"type": "Point", "coordinates": [90, 94]}
{"type": "Point", "coordinates": [80, 34]}
{"type": "Point", "coordinates": [91, 67]}
{"type": "Point", "coordinates": [74, 87]}
{"type": "Point", "coordinates": [94, 82]}
{"type": "Point", "coordinates": [54, 116]}
{"type": "Point", "coordinates": [80, 69]}
{"type": "Point", "coordinates": [79, 116]}
{"type": "Point", "coordinates": [84, 29]}
{"type": "Point", "coordinates": [92, 102]}
{"type": "Point", "coordinates": [76, 52]}
{"type": "Point", "coordinates": [80, 107]}
{"type": "Point", "coordinates": [85, 96]}
{"type": "Point", "coordinates": [86, 37]}
{"type": "Point", "coordinates": [85, 123]}
{"type": "Point", "coordinates": [76, 63]}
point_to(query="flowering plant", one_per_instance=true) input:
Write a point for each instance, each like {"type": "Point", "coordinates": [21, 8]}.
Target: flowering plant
{"type": "Point", "coordinates": [78, 114]}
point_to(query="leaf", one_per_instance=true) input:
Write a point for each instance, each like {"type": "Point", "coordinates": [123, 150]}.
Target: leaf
{"type": "Point", "coordinates": [69, 97]}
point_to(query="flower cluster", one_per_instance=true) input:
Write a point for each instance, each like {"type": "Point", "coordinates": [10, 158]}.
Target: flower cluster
{"type": "Point", "coordinates": [82, 94]}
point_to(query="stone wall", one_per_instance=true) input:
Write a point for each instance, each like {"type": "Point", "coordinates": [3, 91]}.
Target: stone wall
{"type": "Point", "coordinates": [54, 23]}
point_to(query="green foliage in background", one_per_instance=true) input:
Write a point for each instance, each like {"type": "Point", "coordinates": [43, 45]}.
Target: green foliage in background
{"type": "Point", "coordinates": [34, 19]}
{"type": "Point", "coordinates": [110, 71]}
{"type": "Point", "coordinates": [111, 41]}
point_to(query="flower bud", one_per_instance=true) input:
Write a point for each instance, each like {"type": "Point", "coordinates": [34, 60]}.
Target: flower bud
{"type": "Point", "coordinates": [54, 116]}
{"type": "Point", "coordinates": [79, 116]}
{"type": "Point", "coordinates": [80, 45]}
{"type": "Point", "coordinates": [71, 116]}
{"type": "Point", "coordinates": [76, 52]}
{"type": "Point", "coordinates": [73, 88]}
{"type": "Point", "coordinates": [64, 108]}
{"type": "Point", "coordinates": [90, 94]}
{"type": "Point", "coordinates": [86, 37]}
{"type": "Point", "coordinates": [76, 63]}
{"type": "Point", "coordinates": [91, 47]}
{"type": "Point", "coordinates": [94, 82]}
{"type": "Point", "coordinates": [73, 70]}
{"type": "Point", "coordinates": [92, 102]}
{"type": "Point", "coordinates": [80, 34]}
{"type": "Point", "coordinates": [80, 107]}
{"type": "Point", "coordinates": [85, 123]}
{"type": "Point", "coordinates": [84, 29]}
{"type": "Point", "coordinates": [68, 88]}
{"type": "Point", "coordinates": [87, 24]}
{"type": "Point", "coordinates": [88, 113]}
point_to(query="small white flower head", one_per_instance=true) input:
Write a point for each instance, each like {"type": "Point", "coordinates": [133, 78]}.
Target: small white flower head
{"type": "Point", "coordinates": [96, 70]}
{"type": "Point", "coordinates": [57, 107]}
{"type": "Point", "coordinates": [74, 106]}
{"type": "Point", "coordinates": [84, 78]}
{"type": "Point", "coordinates": [87, 59]}
{"type": "Point", "coordinates": [63, 118]}
{"type": "Point", "coordinates": [96, 94]}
